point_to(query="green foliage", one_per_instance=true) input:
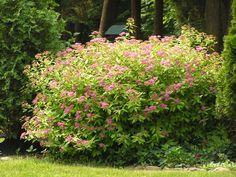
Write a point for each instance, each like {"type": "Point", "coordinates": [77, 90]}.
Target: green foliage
{"type": "Point", "coordinates": [81, 16]}
{"type": "Point", "coordinates": [170, 22]}
{"type": "Point", "coordinates": [227, 94]}
{"type": "Point", "coordinates": [126, 102]}
{"type": "Point", "coordinates": [189, 12]}
{"type": "Point", "coordinates": [26, 28]}
{"type": "Point", "coordinates": [226, 97]}
{"type": "Point", "coordinates": [227, 164]}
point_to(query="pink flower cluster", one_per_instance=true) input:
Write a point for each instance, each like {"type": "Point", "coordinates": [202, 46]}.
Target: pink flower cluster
{"type": "Point", "coordinates": [151, 81]}
{"type": "Point", "coordinates": [53, 84]}
{"type": "Point", "coordinates": [103, 105]}
{"type": "Point", "coordinates": [109, 121]}
{"type": "Point", "coordinates": [130, 54]}
{"type": "Point", "coordinates": [68, 109]}
{"type": "Point", "coordinates": [98, 40]}
{"type": "Point", "coordinates": [61, 124]}
{"type": "Point", "coordinates": [82, 142]}
{"type": "Point", "coordinates": [150, 109]}
{"type": "Point", "coordinates": [166, 63]}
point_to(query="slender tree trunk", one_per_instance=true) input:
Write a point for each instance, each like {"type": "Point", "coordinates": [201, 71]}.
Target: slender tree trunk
{"type": "Point", "coordinates": [136, 15]}
{"type": "Point", "coordinates": [158, 19]}
{"type": "Point", "coordinates": [217, 16]}
{"type": "Point", "coordinates": [109, 13]}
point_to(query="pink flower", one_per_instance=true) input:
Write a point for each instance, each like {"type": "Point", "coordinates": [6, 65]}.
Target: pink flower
{"type": "Point", "coordinates": [77, 115]}
{"type": "Point", "coordinates": [92, 94]}
{"type": "Point", "coordinates": [189, 81]}
{"type": "Point", "coordinates": [165, 62]}
{"type": "Point", "coordinates": [90, 115]}
{"type": "Point", "coordinates": [163, 106]}
{"type": "Point", "coordinates": [87, 107]}
{"type": "Point", "coordinates": [69, 138]}
{"type": "Point", "coordinates": [130, 54]}
{"type": "Point", "coordinates": [177, 101]}
{"type": "Point", "coordinates": [109, 121]}
{"type": "Point", "coordinates": [152, 108]}
{"type": "Point", "coordinates": [146, 61]}
{"type": "Point", "coordinates": [69, 50]}
{"type": "Point", "coordinates": [199, 48]}
{"type": "Point", "coordinates": [154, 96]}
{"type": "Point", "coordinates": [35, 100]}
{"type": "Point", "coordinates": [91, 128]}
{"type": "Point", "coordinates": [109, 87]}
{"type": "Point", "coordinates": [122, 34]}
{"type": "Point", "coordinates": [95, 33]}
{"type": "Point", "coordinates": [23, 135]}
{"type": "Point", "coordinates": [150, 68]}
{"type": "Point", "coordinates": [149, 82]}
{"type": "Point", "coordinates": [81, 99]}
{"type": "Point", "coordinates": [149, 109]}
{"type": "Point", "coordinates": [63, 105]}
{"type": "Point", "coordinates": [53, 84]}
{"type": "Point", "coordinates": [155, 38]}
{"type": "Point", "coordinates": [71, 94]}
{"type": "Point", "coordinates": [46, 131]}
{"type": "Point", "coordinates": [94, 65]}
{"type": "Point", "coordinates": [83, 142]}
{"type": "Point", "coordinates": [177, 86]}
{"type": "Point", "coordinates": [63, 94]}
{"type": "Point", "coordinates": [61, 124]}
{"type": "Point", "coordinates": [161, 53]}
{"type": "Point", "coordinates": [188, 75]}
{"type": "Point", "coordinates": [68, 109]}
{"type": "Point", "coordinates": [98, 40]}
{"type": "Point", "coordinates": [77, 125]}
{"type": "Point", "coordinates": [104, 105]}
{"type": "Point", "coordinates": [166, 97]}
{"type": "Point", "coordinates": [37, 56]}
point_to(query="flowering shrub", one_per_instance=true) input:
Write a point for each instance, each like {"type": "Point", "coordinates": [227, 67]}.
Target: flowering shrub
{"type": "Point", "coordinates": [118, 101]}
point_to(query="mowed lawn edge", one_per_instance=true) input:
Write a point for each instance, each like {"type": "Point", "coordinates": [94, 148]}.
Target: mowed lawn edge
{"type": "Point", "coordinates": [33, 167]}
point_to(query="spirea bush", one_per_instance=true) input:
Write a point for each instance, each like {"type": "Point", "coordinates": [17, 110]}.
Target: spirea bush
{"type": "Point", "coordinates": [126, 102]}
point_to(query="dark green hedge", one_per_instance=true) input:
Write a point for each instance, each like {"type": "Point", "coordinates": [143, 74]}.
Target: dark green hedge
{"type": "Point", "coordinates": [227, 96]}
{"type": "Point", "coordinates": [27, 27]}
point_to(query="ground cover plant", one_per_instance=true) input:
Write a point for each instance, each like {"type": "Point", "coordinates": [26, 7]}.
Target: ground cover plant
{"type": "Point", "coordinates": [28, 167]}
{"type": "Point", "coordinates": [131, 101]}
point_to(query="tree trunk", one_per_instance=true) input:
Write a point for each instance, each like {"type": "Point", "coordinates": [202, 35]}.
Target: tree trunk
{"type": "Point", "coordinates": [136, 15]}
{"type": "Point", "coordinates": [158, 19]}
{"type": "Point", "coordinates": [217, 16]}
{"type": "Point", "coordinates": [109, 13]}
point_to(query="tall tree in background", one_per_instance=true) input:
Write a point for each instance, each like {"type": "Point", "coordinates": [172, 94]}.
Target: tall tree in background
{"type": "Point", "coordinates": [217, 18]}
{"type": "Point", "coordinates": [109, 13]}
{"type": "Point", "coordinates": [158, 19]}
{"type": "Point", "coordinates": [136, 15]}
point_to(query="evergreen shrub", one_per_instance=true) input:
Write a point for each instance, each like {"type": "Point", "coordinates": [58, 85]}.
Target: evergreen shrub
{"type": "Point", "coordinates": [27, 27]}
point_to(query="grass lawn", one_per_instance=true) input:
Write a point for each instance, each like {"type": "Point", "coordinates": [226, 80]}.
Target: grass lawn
{"type": "Point", "coordinates": [32, 167]}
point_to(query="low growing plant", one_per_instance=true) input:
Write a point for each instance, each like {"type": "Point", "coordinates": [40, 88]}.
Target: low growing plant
{"type": "Point", "coordinates": [117, 102]}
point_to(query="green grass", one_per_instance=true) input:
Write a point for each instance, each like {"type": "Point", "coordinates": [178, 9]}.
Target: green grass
{"type": "Point", "coordinates": [32, 167]}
